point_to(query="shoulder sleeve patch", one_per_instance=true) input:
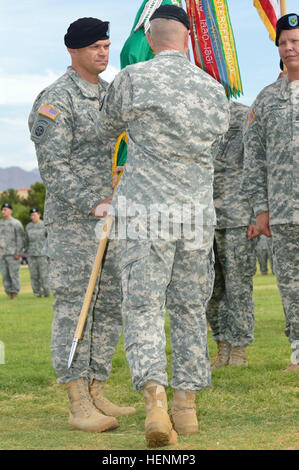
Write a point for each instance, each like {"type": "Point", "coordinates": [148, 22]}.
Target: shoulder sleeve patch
{"type": "Point", "coordinates": [40, 130]}
{"type": "Point", "coordinates": [49, 111]}
{"type": "Point", "coordinates": [44, 120]}
{"type": "Point", "coordinates": [251, 116]}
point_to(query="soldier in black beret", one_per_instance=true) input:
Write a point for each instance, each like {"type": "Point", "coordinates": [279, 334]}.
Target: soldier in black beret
{"type": "Point", "coordinates": [33, 210]}
{"type": "Point", "coordinates": [290, 21]}
{"type": "Point", "coordinates": [38, 263]}
{"type": "Point", "coordinates": [270, 173]}
{"type": "Point", "coordinates": [286, 34]}
{"type": "Point", "coordinates": [11, 248]}
{"type": "Point", "coordinates": [6, 204]}
{"type": "Point", "coordinates": [75, 166]}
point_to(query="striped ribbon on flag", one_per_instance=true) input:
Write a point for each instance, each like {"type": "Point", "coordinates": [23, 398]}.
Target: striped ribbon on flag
{"type": "Point", "coordinates": [144, 20]}
{"type": "Point", "coordinates": [213, 43]}
{"type": "Point", "coordinates": [269, 11]}
{"type": "Point", "coordinates": [201, 41]}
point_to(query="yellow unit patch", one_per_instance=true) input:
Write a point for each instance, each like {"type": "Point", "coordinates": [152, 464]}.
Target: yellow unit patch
{"type": "Point", "coordinates": [49, 111]}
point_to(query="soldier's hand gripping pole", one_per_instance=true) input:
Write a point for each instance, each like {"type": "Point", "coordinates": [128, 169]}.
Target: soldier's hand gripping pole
{"type": "Point", "coordinates": [91, 285]}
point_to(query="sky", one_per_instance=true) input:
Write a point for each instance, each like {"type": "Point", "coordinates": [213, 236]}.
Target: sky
{"type": "Point", "coordinates": [33, 55]}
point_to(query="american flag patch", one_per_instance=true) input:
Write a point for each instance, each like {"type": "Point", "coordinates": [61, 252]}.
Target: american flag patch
{"type": "Point", "coordinates": [251, 116]}
{"type": "Point", "coordinates": [49, 111]}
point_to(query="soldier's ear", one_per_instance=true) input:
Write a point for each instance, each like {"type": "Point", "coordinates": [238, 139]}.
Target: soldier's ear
{"type": "Point", "coordinates": [186, 42]}
{"type": "Point", "coordinates": [72, 52]}
{"type": "Point", "coordinates": [149, 40]}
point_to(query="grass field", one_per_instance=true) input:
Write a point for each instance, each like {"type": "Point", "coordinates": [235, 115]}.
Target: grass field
{"type": "Point", "coordinates": [246, 408]}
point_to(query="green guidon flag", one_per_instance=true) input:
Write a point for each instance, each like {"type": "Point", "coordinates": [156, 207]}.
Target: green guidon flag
{"type": "Point", "coordinates": [137, 49]}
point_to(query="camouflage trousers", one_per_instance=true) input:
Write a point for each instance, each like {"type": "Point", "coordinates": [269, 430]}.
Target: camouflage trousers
{"type": "Point", "coordinates": [39, 274]}
{"type": "Point", "coordinates": [263, 256]}
{"type": "Point", "coordinates": [230, 312]}
{"type": "Point", "coordinates": [10, 270]}
{"type": "Point", "coordinates": [72, 247]}
{"type": "Point", "coordinates": [158, 274]}
{"type": "Point", "coordinates": [286, 267]}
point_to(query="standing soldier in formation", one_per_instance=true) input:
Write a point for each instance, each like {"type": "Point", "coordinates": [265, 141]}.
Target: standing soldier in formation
{"type": "Point", "coordinates": [35, 237]}
{"type": "Point", "coordinates": [11, 248]}
{"type": "Point", "coordinates": [230, 312]}
{"type": "Point", "coordinates": [75, 167]}
{"type": "Point", "coordinates": [271, 173]}
{"type": "Point", "coordinates": [173, 112]}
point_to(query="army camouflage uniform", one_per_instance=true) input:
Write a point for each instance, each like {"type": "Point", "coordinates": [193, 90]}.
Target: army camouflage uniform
{"type": "Point", "coordinates": [76, 169]}
{"type": "Point", "coordinates": [35, 237]}
{"type": "Point", "coordinates": [270, 178]}
{"type": "Point", "coordinates": [173, 112]}
{"type": "Point", "coordinates": [270, 252]}
{"type": "Point", "coordinates": [11, 243]}
{"type": "Point", "coordinates": [230, 312]}
{"type": "Point", "coordinates": [263, 253]}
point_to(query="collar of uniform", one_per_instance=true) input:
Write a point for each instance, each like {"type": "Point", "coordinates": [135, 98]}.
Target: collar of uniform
{"type": "Point", "coordinates": [86, 88]}
{"type": "Point", "coordinates": [171, 52]}
{"type": "Point", "coordinates": [284, 87]}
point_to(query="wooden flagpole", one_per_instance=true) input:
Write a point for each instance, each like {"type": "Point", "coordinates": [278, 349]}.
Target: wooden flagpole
{"type": "Point", "coordinates": [283, 7]}
{"type": "Point", "coordinates": [91, 285]}
{"type": "Point", "coordinates": [283, 11]}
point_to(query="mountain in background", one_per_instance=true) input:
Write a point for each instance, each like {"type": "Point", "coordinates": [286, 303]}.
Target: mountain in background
{"type": "Point", "coordinates": [16, 178]}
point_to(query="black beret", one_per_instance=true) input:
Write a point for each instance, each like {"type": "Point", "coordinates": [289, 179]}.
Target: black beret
{"type": "Point", "coordinates": [172, 12]}
{"type": "Point", "coordinates": [6, 204]}
{"type": "Point", "coordinates": [290, 21]}
{"type": "Point", "coordinates": [34, 209]}
{"type": "Point", "coordinates": [86, 31]}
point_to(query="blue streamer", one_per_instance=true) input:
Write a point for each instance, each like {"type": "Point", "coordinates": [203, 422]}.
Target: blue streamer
{"type": "Point", "coordinates": [216, 44]}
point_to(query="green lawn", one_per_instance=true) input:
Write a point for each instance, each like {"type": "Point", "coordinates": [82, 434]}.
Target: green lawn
{"type": "Point", "coordinates": [246, 408]}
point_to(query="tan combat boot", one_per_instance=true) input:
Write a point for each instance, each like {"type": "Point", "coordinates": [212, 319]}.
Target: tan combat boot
{"type": "Point", "coordinates": [238, 356]}
{"type": "Point", "coordinates": [104, 405]}
{"type": "Point", "coordinates": [183, 412]}
{"type": "Point", "coordinates": [83, 415]}
{"type": "Point", "coordinates": [13, 295]}
{"type": "Point", "coordinates": [224, 351]}
{"type": "Point", "coordinates": [158, 428]}
{"type": "Point", "coordinates": [292, 368]}
{"type": "Point", "coordinates": [294, 365]}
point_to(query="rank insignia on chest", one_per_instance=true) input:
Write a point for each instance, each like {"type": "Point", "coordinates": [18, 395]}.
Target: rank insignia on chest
{"type": "Point", "coordinates": [49, 111]}
{"type": "Point", "coordinates": [251, 116]}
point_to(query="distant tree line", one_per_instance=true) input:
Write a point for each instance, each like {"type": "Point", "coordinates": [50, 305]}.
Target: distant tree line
{"type": "Point", "coordinates": [22, 206]}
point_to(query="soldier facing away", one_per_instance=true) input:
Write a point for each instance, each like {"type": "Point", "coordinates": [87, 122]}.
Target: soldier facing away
{"type": "Point", "coordinates": [35, 238]}
{"type": "Point", "coordinates": [270, 176]}
{"type": "Point", "coordinates": [75, 166]}
{"type": "Point", "coordinates": [11, 248]}
{"type": "Point", "coordinates": [172, 112]}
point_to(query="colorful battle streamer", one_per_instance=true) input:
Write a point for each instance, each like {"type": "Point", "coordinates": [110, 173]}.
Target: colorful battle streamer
{"type": "Point", "coordinates": [213, 43]}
